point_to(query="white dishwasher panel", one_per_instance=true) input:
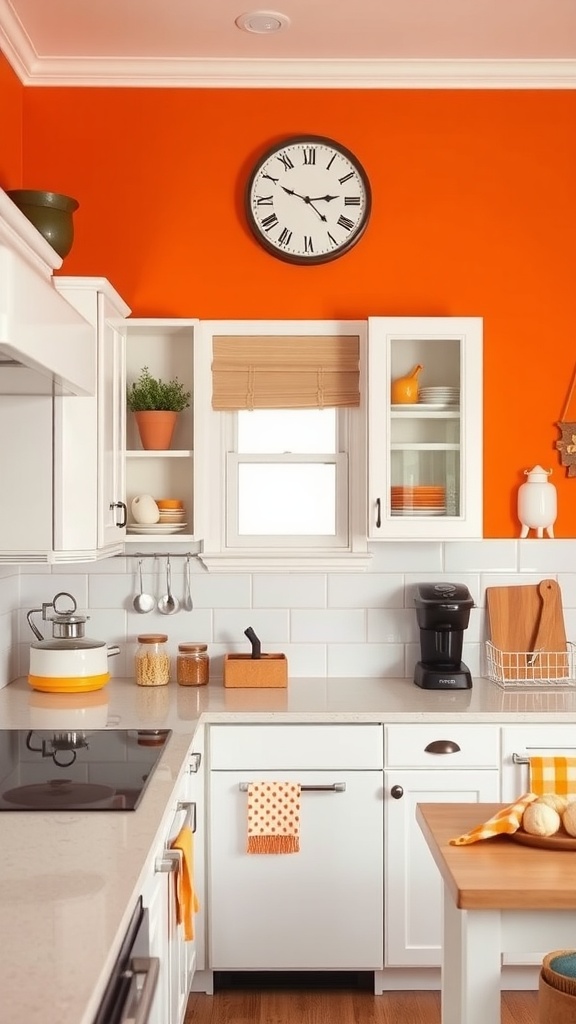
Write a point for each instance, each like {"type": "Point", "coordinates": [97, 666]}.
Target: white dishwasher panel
{"type": "Point", "coordinates": [319, 909]}
{"type": "Point", "coordinates": [296, 746]}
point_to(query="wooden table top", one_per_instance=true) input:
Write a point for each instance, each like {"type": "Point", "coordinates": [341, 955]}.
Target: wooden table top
{"type": "Point", "coordinates": [497, 873]}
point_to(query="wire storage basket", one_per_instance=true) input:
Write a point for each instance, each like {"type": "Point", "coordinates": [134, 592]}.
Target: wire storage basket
{"type": "Point", "coordinates": [514, 669]}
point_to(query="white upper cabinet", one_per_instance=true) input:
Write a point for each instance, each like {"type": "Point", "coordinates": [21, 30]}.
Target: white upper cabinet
{"type": "Point", "coordinates": [90, 491]}
{"type": "Point", "coordinates": [167, 348]}
{"type": "Point", "coordinates": [424, 428]}
{"type": "Point", "coordinates": [64, 467]}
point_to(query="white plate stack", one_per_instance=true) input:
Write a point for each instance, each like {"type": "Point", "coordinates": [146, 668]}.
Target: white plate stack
{"type": "Point", "coordinates": [439, 395]}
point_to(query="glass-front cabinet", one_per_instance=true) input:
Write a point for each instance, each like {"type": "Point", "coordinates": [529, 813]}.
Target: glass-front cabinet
{"type": "Point", "coordinates": [425, 427]}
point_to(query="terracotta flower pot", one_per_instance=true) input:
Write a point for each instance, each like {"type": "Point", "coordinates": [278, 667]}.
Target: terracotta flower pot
{"type": "Point", "coordinates": [156, 428]}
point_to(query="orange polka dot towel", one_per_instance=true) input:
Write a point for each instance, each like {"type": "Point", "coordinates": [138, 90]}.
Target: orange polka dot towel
{"type": "Point", "coordinates": [273, 817]}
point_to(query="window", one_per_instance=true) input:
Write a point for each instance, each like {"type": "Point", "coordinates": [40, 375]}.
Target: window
{"type": "Point", "coordinates": [287, 485]}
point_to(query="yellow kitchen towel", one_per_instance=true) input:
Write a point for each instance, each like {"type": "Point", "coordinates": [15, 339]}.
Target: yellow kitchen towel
{"type": "Point", "coordinates": [273, 817]}
{"type": "Point", "coordinates": [553, 775]}
{"type": "Point", "coordinates": [506, 821]}
{"type": "Point", "coordinates": [186, 900]}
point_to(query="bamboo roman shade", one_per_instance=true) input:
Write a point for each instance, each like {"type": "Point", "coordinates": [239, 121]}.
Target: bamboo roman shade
{"type": "Point", "coordinates": [285, 372]}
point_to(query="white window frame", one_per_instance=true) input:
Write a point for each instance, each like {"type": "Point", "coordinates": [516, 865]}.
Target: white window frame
{"type": "Point", "coordinates": [222, 549]}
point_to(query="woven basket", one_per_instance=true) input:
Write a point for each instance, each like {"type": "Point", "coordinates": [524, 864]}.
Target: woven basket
{"type": "Point", "coordinates": [554, 1006]}
{"type": "Point", "coordinates": [562, 982]}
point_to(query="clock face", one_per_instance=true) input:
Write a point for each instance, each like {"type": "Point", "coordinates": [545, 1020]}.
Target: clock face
{"type": "Point", "coordinates": [308, 200]}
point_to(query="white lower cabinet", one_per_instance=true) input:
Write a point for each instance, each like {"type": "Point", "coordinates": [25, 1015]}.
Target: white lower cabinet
{"type": "Point", "coordinates": [320, 908]}
{"type": "Point", "coordinates": [426, 764]}
{"type": "Point", "coordinates": [177, 956]}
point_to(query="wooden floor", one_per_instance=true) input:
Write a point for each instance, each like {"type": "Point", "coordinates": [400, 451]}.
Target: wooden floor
{"type": "Point", "coordinates": [352, 1003]}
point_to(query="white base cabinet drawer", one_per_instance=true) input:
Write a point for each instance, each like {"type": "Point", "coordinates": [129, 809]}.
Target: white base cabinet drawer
{"type": "Point", "coordinates": [275, 747]}
{"type": "Point", "coordinates": [442, 746]}
{"type": "Point", "coordinates": [318, 909]}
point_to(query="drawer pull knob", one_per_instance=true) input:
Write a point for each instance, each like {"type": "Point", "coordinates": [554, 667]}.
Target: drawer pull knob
{"type": "Point", "coordinates": [397, 792]}
{"type": "Point", "coordinates": [442, 747]}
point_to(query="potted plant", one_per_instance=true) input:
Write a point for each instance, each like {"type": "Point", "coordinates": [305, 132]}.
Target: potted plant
{"type": "Point", "coordinates": [156, 404]}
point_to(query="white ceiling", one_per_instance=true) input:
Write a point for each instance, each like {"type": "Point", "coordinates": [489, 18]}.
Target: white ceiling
{"type": "Point", "coordinates": [355, 43]}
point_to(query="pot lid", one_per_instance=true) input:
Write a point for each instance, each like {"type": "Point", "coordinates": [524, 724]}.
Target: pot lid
{"type": "Point", "coordinates": [77, 644]}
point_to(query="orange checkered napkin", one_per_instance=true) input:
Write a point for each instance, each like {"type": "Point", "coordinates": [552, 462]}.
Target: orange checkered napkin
{"type": "Point", "coordinates": [506, 821]}
{"type": "Point", "coordinates": [553, 775]}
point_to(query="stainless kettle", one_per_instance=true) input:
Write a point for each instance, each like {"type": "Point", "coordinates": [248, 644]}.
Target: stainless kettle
{"type": "Point", "coordinates": [69, 662]}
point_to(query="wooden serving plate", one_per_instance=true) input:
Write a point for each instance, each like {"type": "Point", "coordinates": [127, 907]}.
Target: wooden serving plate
{"type": "Point", "coordinates": [559, 841]}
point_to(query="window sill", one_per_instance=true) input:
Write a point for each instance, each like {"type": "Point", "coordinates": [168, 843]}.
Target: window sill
{"type": "Point", "coordinates": [285, 561]}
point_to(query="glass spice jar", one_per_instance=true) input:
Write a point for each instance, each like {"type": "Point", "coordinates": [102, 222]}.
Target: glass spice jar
{"type": "Point", "coordinates": [152, 661]}
{"type": "Point", "coordinates": [192, 665]}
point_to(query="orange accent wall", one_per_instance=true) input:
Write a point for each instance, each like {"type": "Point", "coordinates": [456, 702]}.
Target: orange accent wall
{"type": "Point", "coordinates": [474, 213]}
{"type": "Point", "coordinates": [11, 97]}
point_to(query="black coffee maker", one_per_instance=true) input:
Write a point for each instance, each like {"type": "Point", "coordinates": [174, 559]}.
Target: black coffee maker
{"type": "Point", "coordinates": [443, 612]}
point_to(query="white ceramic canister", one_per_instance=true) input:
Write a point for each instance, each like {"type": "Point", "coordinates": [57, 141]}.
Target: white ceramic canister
{"type": "Point", "coordinates": [537, 503]}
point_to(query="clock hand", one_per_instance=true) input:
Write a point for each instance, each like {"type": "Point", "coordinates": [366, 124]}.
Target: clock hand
{"type": "Point", "coordinates": [307, 200]}
{"type": "Point", "coordinates": [328, 199]}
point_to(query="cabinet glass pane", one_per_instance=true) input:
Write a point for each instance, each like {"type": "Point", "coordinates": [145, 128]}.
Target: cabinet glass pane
{"type": "Point", "coordinates": [425, 482]}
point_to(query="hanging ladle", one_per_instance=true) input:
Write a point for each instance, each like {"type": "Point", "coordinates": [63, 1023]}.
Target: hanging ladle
{"type": "Point", "coordinates": [168, 604]}
{"type": "Point", "coordinates": [142, 602]}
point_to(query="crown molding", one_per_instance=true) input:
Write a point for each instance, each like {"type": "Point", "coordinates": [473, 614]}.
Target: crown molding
{"type": "Point", "coordinates": [292, 74]}
{"type": "Point", "coordinates": [275, 74]}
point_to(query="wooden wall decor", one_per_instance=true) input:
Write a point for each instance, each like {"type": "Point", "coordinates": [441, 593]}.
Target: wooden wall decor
{"type": "Point", "coordinates": [567, 443]}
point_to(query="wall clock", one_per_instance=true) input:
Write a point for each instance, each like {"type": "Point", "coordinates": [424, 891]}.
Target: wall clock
{"type": "Point", "coordinates": [308, 200]}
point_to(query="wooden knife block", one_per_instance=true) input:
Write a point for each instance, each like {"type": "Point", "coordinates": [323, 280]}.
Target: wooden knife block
{"type": "Point", "coordinates": [242, 670]}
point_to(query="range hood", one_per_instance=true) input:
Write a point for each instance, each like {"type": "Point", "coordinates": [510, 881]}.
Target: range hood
{"type": "Point", "coordinates": [46, 346]}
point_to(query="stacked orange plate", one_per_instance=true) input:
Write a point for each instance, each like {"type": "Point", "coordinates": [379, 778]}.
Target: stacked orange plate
{"type": "Point", "coordinates": [172, 514]}
{"type": "Point", "coordinates": [419, 500]}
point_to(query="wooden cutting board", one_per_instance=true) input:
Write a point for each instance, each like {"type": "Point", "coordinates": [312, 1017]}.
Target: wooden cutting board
{"type": "Point", "coordinates": [529, 622]}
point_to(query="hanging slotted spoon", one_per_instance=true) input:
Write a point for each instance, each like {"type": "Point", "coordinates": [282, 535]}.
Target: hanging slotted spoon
{"type": "Point", "coordinates": [168, 604]}
{"type": "Point", "coordinates": [142, 602]}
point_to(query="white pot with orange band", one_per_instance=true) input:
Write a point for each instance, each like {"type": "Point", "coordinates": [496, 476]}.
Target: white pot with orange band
{"type": "Point", "coordinates": [69, 662]}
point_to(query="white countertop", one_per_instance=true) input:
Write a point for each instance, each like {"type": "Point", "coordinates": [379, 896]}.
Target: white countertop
{"type": "Point", "coordinates": [69, 881]}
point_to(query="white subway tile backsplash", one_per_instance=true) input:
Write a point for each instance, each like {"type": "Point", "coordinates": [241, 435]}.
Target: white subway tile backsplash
{"type": "Point", "coordinates": [546, 556]}
{"type": "Point", "coordinates": [288, 590]}
{"type": "Point", "coordinates": [391, 626]}
{"type": "Point", "coordinates": [402, 556]}
{"type": "Point", "coordinates": [366, 590]}
{"type": "Point", "coordinates": [328, 625]}
{"type": "Point", "coordinates": [365, 660]}
{"type": "Point", "coordinates": [481, 556]}
{"type": "Point", "coordinates": [270, 626]}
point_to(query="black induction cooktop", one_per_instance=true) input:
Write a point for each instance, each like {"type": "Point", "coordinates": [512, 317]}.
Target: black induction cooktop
{"type": "Point", "coordinates": [101, 770]}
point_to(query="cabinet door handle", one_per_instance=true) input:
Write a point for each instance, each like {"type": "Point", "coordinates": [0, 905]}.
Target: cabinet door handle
{"type": "Point", "coordinates": [190, 807]}
{"type": "Point", "coordinates": [378, 513]}
{"type": "Point", "coordinates": [397, 792]}
{"type": "Point", "coordinates": [442, 747]}
{"type": "Point", "coordinates": [333, 787]}
{"type": "Point", "coordinates": [195, 761]}
{"type": "Point", "coordinates": [167, 863]}
{"type": "Point", "coordinates": [122, 505]}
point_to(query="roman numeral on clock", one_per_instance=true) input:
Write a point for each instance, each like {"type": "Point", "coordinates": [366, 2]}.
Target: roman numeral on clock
{"type": "Point", "coordinates": [285, 236]}
{"type": "Point", "coordinates": [264, 201]}
{"type": "Point", "coordinates": [270, 221]}
{"type": "Point", "coordinates": [285, 161]}
{"type": "Point", "coordinates": [346, 177]}
{"type": "Point", "coordinates": [344, 222]}
{"type": "Point", "coordinates": [351, 200]}
{"type": "Point", "coordinates": [310, 156]}
{"type": "Point", "coordinates": [308, 247]}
